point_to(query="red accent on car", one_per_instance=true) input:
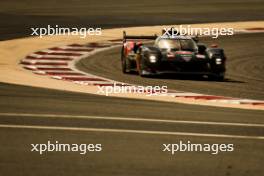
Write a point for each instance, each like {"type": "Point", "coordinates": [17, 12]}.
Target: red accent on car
{"type": "Point", "coordinates": [129, 46]}
{"type": "Point", "coordinates": [183, 52]}
{"type": "Point", "coordinates": [170, 55]}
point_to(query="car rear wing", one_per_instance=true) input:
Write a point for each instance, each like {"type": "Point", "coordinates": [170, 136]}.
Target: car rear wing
{"type": "Point", "coordinates": [146, 37]}
{"type": "Point", "coordinates": [150, 37]}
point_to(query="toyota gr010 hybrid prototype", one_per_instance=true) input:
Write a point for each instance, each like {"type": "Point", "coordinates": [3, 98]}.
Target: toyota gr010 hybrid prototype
{"type": "Point", "coordinates": [172, 54]}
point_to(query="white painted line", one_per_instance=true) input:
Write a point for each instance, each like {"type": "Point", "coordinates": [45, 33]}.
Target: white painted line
{"type": "Point", "coordinates": [57, 77]}
{"type": "Point", "coordinates": [51, 56]}
{"type": "Point", "coordinates": [46, 66]}
{"type": "Point", "coordinates": [65, 51]}
{"type": "Point", "coordinates": [237, 101]}
{"type": "Point", "coordinates": [182, 94]}
{"type": "Point", "coordinates": [75, 47]}
{"type": "Point", "coordinates": [133, 119]}
{"type": "Point", "coordinates": [91, 82]}
{"type": "Point", "coordinates": [37, 127]}
{"type": "Point", "coordinates": [39, 72]}
{"type": "Point", "coordinates": [44, 61]}
{"type": "Point", "coordinates": [241, 31]}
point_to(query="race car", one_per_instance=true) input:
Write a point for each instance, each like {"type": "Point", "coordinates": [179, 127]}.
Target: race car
{"type": "Point", "coordinates": [175, 54]}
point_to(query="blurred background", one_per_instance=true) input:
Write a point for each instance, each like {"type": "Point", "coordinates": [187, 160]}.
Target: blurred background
{"type": "Point", "coordinates": [16, 16]}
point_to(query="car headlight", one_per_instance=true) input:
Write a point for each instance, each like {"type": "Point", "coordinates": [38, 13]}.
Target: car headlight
{"type": "Point", "coordinates": [200, 56]}
{"type": "Point", "coordinates": [153, 59]}
{"type": "Point", "coordinates": [211, 55]}
{"type": "Point", "coordinates": [218, 61]}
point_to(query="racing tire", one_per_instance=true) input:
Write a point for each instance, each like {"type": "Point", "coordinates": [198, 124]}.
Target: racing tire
{"type": "Point", "coordinates": [124, 64]}
{"type": "Point", "coordinates": [141, 71]}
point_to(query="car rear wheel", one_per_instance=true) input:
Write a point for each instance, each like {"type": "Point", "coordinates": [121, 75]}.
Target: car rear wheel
{"type": "Point", "coordinates": [124, 62]}
{"type": "Point", "coordinates": [141, 71]}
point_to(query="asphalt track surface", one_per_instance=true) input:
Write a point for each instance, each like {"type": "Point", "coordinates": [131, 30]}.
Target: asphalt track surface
{"type": "Point", "coordinates": [124, 153]}
{"type": "Point", "coordinates": [133, 147]}
{"type": "Point", "coordinates": [244, 76]}
{"type": "Point", "coordinates": [130, 147]}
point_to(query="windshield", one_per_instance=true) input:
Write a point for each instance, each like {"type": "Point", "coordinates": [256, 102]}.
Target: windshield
{"type": "Point", "coordinates": [177, 44]}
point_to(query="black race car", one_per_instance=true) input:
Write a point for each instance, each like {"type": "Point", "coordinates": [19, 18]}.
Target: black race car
{"type": "Point", "coordinates": [172, 54]}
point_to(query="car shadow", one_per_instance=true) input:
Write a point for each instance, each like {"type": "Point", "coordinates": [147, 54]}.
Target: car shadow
{"type": "Point", "coordinates": [185, 77]}
{"type": "Point", "coordinates": [193, 78]}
